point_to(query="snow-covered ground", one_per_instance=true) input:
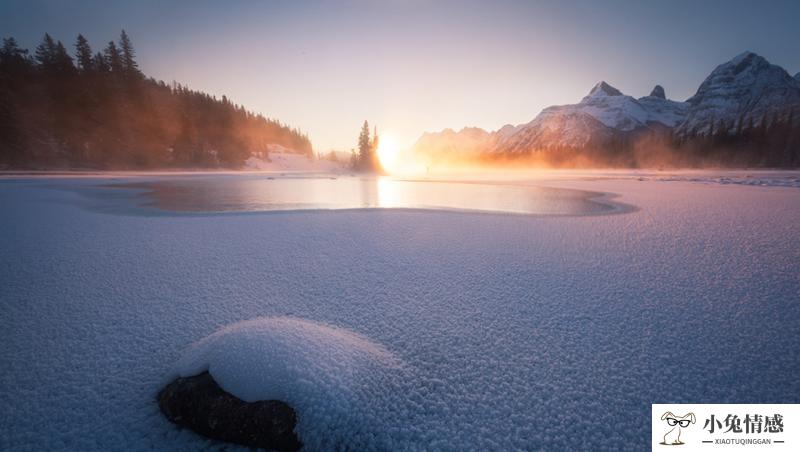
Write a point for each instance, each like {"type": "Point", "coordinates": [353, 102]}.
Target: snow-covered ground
{"type": "Point", "coordinates": [483, 331]}
{"type": "Point", "coordinates": [280, 159]}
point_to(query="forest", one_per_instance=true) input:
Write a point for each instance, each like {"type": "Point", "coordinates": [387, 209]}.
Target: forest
{"type": "Point", "coordinates": [97, 110]}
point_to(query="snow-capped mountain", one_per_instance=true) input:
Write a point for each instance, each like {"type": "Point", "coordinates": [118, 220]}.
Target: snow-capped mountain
{"type": "Point", "coordinates": [741, 92]}
{"type": "Point", "coordinates": [602, 115]}
{"type": "Point", "coordinates": [662, 110]}
{"type": "Point", "coordinates": [737, 94]}
{"type": "Point", "coordinates": [598, 118]}
{"type": "Point", "coordinates": [469, 140]}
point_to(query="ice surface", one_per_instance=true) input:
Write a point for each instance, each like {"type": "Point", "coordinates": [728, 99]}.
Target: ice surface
{"type": "Point", "coordinates": [514, 332]}
{"type": "Point", "coordinates": [203, 194]}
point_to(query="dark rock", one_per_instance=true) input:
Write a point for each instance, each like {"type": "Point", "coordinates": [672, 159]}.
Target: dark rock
{"type": "Point", "coordinates": [201, 405]}
{"type": "Point", "coordinates": [658, 91]}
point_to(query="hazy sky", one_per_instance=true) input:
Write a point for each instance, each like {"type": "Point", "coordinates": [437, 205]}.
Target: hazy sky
{"type": "Point", "coordinates": [414, 65]}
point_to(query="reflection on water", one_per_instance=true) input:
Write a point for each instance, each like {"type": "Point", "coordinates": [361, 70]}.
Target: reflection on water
{"type": "Point", "coordinates": [260, 193]}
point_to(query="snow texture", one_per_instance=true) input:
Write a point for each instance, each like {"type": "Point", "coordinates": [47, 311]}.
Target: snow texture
{"type": "Point", "coordinates": [330, 376]}
{"type": "Point", "coordinates": [510, 331]}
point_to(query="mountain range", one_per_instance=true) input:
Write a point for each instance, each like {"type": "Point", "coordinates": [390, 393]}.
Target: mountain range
{"type": "Point", "coordinates": [739, 98]}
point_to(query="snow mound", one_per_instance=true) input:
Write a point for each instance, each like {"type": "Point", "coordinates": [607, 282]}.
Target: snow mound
{"type": "Point", "coordinates": [332, 377]}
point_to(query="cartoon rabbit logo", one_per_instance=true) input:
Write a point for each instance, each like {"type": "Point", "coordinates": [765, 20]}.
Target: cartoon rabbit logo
{"type": "Point", "coordinates": [675, 425]}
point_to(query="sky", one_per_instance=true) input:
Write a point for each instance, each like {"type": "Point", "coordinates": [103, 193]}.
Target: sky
{"type": "Point", "coordinates": [411, 66]}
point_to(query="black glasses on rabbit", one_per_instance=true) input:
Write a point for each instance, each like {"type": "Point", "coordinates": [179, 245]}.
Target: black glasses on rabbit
{"type": "Point", "coordinates": [671, 421]}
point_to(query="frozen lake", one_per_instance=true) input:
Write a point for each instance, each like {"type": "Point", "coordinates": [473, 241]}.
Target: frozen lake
{"type": "Point", "coordinates": [544, 331]}
{"type": "Point", "coordinates": [245, 193]}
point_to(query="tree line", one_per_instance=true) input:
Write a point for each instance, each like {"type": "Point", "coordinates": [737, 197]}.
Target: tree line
{"type": "Point", "coordinates": [769, 141]}
{"type": "Point", "coordinates": [97, 110]}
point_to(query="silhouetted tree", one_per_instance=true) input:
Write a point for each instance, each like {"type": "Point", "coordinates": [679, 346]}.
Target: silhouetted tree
{"type": "Point", "coordinates": [62, 62]}
{"type": "Point", "coordinates": [13, 59]}
{"type": "Point", "coordinates": [45, 52]}
{"type": "Point", "coordinates": [129, 65]}
{"type": "Point", "coordinates": [364, 148]}
{"type": "Point", "coordinates": [83, 54]}
{"type": "Point", "coordinates": [99, 63]}
{"type": "Point", "coordinates": [114, 59]}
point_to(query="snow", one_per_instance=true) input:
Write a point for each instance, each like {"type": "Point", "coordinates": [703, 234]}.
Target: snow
{"type": "Point", "coordinates": [330, 376]}
{"type": "Point", "coordinates": [741, 92]}
{"type": "Point", "coordinates": [467, 331]}
{"type": "Point", "coordinates": [281, 159]}
{"type": "Point", "coordinates": [600, 114]}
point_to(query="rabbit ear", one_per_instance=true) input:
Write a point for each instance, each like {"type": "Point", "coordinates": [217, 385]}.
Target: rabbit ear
{"type": "Point", "coordinates": [691, 416]}
{"type": "Point", "coordinates": [668, 413]}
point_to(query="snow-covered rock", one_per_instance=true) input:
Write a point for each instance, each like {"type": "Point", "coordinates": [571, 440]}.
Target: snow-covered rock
{"type": "Point", "coordinates": [328, 375]}
{"type": "Point", "coordinates": [197, 402]}
{"type": "Point", "coordinates": [743, 91]}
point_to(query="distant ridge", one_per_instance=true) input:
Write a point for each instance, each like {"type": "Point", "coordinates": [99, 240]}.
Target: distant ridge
{"type": "Point", "coordinates": [750, 106]}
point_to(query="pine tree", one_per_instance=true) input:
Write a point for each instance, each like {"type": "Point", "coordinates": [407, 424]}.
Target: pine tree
{"type": "Point", "coordinates": [130, 67]}
{"type": "Point", "coordinates": [83, 52]}
{"type": "Point", "coordinates": [62, 62]}
{"type": "Point", "coordinates": [99, 63]}
{"type": "Point", "coordinates": [364, 147]}
{"type": "Point", "coordinates": [113, 58]}
{"type": "Point", "coordinates": [11, 50]}
{"type": "Point", "coordinates": [13, 59]}
{"type": "Point", "coordinates": [46, 51]}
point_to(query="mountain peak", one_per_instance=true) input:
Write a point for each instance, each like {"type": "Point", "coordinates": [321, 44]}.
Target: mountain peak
{"type": "Point", "coordinates": [658, 91]}
{"type": "Point", "coordinates": [746, 55]}
{"type": "Point", "coordinates": [603, 88]}
{"type": "Point", "coordinates": [745, 60]}
{"type": "Point", "coordinates": [797, 76]}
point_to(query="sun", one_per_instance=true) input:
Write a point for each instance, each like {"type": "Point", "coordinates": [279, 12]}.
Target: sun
{"type": "Point", "coordinates": [395, 159]}
{"type": "Point", "coordinates": [388, 153]}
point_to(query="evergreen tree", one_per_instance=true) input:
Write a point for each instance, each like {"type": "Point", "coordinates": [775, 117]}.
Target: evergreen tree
{"type": "Point", "coordinates": [62, 62]}
{"type": "Point", "coordinates": [99, 63]}
{"type": "Point", "coordinates": [45, 52]}
{"type": "Point", "coordinates": [11, 50]}
{"type": "Point", "coordinates": [364, 147]}
{"type": "Point", "coordinates": [114, 59]}
{"type": "Point", "coordinates": [83, 52]}
{"type": "Point", "coordinates": [130, 67]}
{"type": "Point", "coordinates": [13, 59]}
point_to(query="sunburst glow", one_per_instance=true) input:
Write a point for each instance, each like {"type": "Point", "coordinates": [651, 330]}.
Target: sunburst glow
{"type": "Point", "coordinates": [396, 160]}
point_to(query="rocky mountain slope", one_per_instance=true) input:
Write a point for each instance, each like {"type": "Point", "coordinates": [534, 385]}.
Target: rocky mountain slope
{"type": "Point", "coordinates": [744, 93]}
